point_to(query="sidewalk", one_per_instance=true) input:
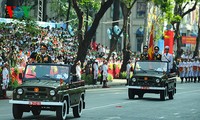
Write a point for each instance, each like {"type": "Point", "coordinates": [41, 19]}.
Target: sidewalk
{"type": "Point", "coordinates": [115, 82]}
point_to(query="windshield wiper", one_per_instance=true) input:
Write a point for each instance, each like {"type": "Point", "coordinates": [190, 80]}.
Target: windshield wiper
{"type": "Point", "coordinates": [143, 70]}
{"type": "Point", "coordinates": [156, 70]}
{"type": "Point", "coordinates": [51, 78]}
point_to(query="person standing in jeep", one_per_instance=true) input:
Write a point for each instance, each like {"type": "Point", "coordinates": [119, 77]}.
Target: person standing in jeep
{"type": "Point", "coordinates": [43, 57]}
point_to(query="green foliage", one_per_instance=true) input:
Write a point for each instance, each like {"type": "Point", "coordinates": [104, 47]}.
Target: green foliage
{"type": "Point", "coordinates": [13, 85]}
{"type": "Point", "coordinates": [87, 78]}
{"type": "Point", "coordinates": [16, 70]}
{"type": "Point", "coordinates": [122, 75]}
{"type": "Point", "coordinates": [110, 77]}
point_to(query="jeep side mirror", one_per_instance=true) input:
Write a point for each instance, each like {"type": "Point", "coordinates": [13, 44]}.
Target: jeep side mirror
{"type": "Point", "coordinates": [20, 76]}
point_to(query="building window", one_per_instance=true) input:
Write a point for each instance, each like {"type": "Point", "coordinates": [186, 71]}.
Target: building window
{"type": "Point", "coordinates": [141, 9]}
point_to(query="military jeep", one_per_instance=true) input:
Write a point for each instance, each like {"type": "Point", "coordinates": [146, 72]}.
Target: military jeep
{"type": "Point", "coordinates": [152, 77]}
{"type": "Point", "coordinates": [48, 87]}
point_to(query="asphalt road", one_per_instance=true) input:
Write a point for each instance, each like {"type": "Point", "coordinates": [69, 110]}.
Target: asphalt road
{"type": "Point", "coordinates": [113, 104]}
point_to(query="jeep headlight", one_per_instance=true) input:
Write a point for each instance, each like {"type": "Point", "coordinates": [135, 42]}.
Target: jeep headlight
{"type": "Point", "coordinates": [134, 79]}
{"type": "Point", "coordinates": [157, 80]}
{"type": "Point", "coordinates": [20, 91]}
{"type": "Point", "coordinates": [52, 92]}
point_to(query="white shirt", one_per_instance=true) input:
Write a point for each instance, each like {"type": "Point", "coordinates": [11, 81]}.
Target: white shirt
{"type": "Point", "coordinates": [5, 74]}
{"type": "Point", "coordinates": [78, 71]}
{"type": "Point", "coordinates": [128, 68]}
{"type": "Point", "coordinates": [105, 69]}
{"type": "Point", "coordinates": [169, 58]}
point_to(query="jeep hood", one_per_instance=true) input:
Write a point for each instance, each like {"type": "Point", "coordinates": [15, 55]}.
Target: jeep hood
{"type": "Point", "coordinates": [41, 83]}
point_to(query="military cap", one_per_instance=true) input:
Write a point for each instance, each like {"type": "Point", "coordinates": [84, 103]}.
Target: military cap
{"type": "Point", "coordinates": [145, 47]}
{"type": "Point", "coordinates": [167, 47]}
{"type": "Point", "coordinates": [156, 48]}
{"type": "Point", "coordinates": [43, 46]}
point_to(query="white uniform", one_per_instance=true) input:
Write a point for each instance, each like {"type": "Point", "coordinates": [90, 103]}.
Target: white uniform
{"type": "Point", "coordinates": [5, 75]}
{"type": "Point", "coordinates": [187, 69]}
{"type": "Point", "coordinates": [169, 58]}
{"type": "Point", "coordinates": [128, 71]}
{"type": "Point", "coordinates": [190, 67]}
{"type": "Point", "coordinates": [105, 71]}
{"type": "Point", "coordinates": [95, 67]}
{"type": "Point", "coordinates": [181, 67]}
{"type": "Point", "coordinates": [195, 69]}
{"type": "Point", "coordinates": [78, 72]}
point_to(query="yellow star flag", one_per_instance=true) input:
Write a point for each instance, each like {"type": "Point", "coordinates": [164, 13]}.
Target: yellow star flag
{"type": "Point", "coordinates": [151, 44]}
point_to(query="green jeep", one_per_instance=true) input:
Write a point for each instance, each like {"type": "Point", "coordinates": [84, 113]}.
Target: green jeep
{"type": "Point", "coordinates": [48, 87]}
{"type": "Point", "coordinates": [152, 77]}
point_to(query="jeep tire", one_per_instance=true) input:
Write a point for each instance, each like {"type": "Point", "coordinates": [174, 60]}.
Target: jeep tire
{"type": "Point", "coordinates": [36, 111]}
{"type": "Point", "coordinates": [162, 95]}
{"type": "Point", "coordinates": [17, 111]}
{"type": "Point", "coordinates": [171, 95]}
{"type": "Point", "coordinates": [61, 112]}
{"type": "Point", "coordinates": [77, 110]}
{"type": "Point", "coordinates": [131, 94]}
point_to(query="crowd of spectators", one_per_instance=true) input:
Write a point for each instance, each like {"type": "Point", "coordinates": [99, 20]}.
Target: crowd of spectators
{"type": "Point", "coordinates": [16, 45]}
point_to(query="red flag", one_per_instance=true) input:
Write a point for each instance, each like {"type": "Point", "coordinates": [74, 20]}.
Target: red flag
{"type": "Point", "coordinates": [151, 44]}
{"type": "Point", "coordinates": [169, 40]}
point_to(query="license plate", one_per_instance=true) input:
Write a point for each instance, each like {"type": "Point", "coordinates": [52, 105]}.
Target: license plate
{"type": "Point", "coordinates": [144, 88]}
{"type": "Point", "coordinates": [34, 103]}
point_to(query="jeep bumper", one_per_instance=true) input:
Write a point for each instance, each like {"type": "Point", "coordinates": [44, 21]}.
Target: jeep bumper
{"type": "Point", "coordinates": [146, 88]}
{"type": "Point", "coordinates": [36, 103]}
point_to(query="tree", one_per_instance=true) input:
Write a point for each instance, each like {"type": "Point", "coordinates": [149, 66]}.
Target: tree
{"type": "Point", "coordinates": [174, 13]}
{"type": "Point", "coordinates": [126, 10]}
{"type": "Point", "coordinates": [85, 39]}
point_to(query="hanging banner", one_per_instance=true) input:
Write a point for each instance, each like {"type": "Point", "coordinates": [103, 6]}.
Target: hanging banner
{"type": "Point", "coordinates": [189, 40]}
{"type": "Point", "coordinates": [169, 40]}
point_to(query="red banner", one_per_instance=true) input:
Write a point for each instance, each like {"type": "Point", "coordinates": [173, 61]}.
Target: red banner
{"type": "Point", "coordinates": [169, 40]}
{"type": "Point", "coordinates": [189, 40]}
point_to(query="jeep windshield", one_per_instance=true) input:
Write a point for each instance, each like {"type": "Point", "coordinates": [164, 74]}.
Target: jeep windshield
{"type": "Point", "coordinates": [150, 66]}
{"type": "Point", "coordinates": [46, 72]}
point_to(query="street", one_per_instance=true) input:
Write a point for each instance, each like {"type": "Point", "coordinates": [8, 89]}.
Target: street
{"type": "Point", "coordinates": [113, 104]}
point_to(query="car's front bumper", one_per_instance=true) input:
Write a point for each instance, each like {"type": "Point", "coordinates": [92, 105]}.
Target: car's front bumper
{"type": "Point", "coordinates": [36, 103]}
{"type": "Point", "coordinates": [146, 88]}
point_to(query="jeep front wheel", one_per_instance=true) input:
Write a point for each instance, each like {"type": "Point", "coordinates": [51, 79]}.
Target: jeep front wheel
{"type": "Point", "coordinates": [17, 111]}
{"type": "Point", "coordinates": [171, 95]}
{"type": "Point", "coordinates": [61, 112]}
{"type": "Point", "coordinates": [77, 110]}
{"type": "Point", "coordinates": [36, 111]}
{"type": "Point", "coordinates": [162, 95]}
{"type": "Point", "coordinates": [131, 94]}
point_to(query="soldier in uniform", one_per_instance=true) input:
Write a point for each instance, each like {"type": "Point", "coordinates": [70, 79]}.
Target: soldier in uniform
{"type": "Point", "coordinates": [168, 57]}
{"type": "Point", "coordinates": [43, 57]}
{"type": "Point", "coordinates": [156, 55]}
{"type": "Point", "coordinates": [195, 70]}
{"type": "Point", "coordinates": [144, 55]}
{"type": "Point", "coordinates": [181, 69]}
{"type": "Point", "coordinates": [128, 71]}
{"type": "Point", "coordinates": [105, 74]}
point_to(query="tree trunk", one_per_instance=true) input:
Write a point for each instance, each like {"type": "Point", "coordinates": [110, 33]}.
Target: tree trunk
{"type": "Point", "coordinates": [116, 7]}
{"type": "Point", "coordinates": [85, 42]}
{"type": "Point", "coordinates": [196, 51]}
{"type": "Point", "coordinates": [177, 38]}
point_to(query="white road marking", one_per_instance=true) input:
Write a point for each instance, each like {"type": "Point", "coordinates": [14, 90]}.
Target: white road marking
{"type": "Point", "coordinates": [112, 118]}
{"type": "Point", "coordinates": [109, 105]}
{"type": "Point", "coordinates": [161, 117]}
{"type": "Point", "coordinates": [176, 113]}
